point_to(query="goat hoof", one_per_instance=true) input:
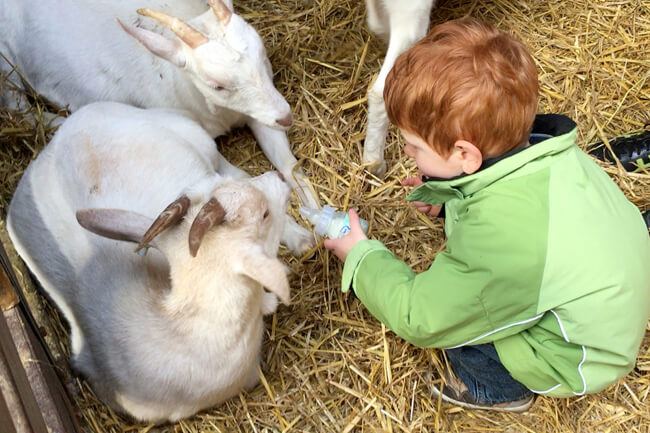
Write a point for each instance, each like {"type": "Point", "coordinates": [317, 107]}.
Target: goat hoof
{"type": "Point", "coordinates": [298, 239]}
{"type": "Point", "coordinates": [378, 168]}
{"type": "Point", "coordinates": [269, 303]}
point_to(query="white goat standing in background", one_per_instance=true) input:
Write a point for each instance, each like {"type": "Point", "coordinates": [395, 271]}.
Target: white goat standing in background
{"type": "Point", "coordinates": [403, 23]}
{"type": "Point", "coordinates": [166, 334]}
{"type": "Point", "coordinates": [212, 65]}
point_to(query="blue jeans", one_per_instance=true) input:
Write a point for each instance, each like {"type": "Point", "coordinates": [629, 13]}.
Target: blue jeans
{"type": "Point", "coordinates": [486, 378]}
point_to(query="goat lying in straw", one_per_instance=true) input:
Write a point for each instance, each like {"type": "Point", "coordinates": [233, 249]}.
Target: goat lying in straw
{"type": "Point", "coordinates": [213, 65]}
{"type": "Point", "coordinates": [163, 335]}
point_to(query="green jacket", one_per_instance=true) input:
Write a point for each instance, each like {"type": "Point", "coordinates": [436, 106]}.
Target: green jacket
{"type": "Point", "coordinates": [545, 257]}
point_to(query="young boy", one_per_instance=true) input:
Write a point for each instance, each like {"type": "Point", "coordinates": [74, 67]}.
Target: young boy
{"type": "Point", "coordinates": [544, 284]}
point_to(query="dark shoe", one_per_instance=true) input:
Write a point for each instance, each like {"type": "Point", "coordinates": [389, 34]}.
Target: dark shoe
{"type": "Point", "coordinates": [454, 391]}
{"type": "Point", "coordinates": [632, 150]}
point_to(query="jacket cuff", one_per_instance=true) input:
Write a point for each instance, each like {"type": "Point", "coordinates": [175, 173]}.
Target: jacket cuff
{"type": "Point", "coordinates": [354, 259]}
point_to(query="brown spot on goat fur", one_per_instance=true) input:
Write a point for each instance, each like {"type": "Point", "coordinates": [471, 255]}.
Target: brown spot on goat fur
{"type": "Point", "coordinates": [92, 163]}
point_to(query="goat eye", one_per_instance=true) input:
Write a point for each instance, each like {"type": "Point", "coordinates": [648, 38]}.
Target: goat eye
{"type": "Point", "coordinates": [217, 87]}
{"type": "Point", "coordinates": [266, 214]}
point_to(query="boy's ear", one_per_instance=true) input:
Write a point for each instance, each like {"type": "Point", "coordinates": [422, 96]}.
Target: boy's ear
{"type": "Point", "coordinates": [469, 155]}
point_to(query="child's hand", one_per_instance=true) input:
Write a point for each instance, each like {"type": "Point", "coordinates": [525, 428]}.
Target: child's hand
{"type": "Point", "coordinates": [412, 181]}
{"type": "Point", "coordinates": [427, 209]}
{"type": "Point", "coordinates": [342, 246]}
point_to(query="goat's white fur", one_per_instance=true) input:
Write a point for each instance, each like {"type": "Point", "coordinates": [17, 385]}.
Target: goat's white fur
{"type": "Point", "coordinates": [402, 23]}
{"type": "Point", "coordinates": [164, 335]}
{"type": "Point", "coordinates": [76, 52]}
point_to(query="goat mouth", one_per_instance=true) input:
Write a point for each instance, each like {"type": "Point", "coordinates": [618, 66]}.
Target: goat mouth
{"type": "Point", "coordinates": [276, 125]}
{"type": "Point", "coordinates": [273, 124]}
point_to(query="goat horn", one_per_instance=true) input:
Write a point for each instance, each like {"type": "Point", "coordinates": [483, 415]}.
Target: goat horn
{"type": "Point", "coordinates": [186, 32]}
{"type": "Point", "coordinates": [211, 214]}
{"type": "Point", "coordinates": [167, 218]}
{"type": "Point", "coordinates": [221, 11]}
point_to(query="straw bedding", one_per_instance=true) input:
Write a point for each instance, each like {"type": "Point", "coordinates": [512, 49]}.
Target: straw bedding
{"type": "Point", "coordinates": [328, 366]}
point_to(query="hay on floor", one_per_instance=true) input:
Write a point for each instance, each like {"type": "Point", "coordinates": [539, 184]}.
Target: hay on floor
{"type": "Point", "coordinates": [328, 365]}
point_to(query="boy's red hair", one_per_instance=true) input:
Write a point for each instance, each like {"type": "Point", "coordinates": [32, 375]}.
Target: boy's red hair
{"type": "Point", "coordinates": [465, 80]}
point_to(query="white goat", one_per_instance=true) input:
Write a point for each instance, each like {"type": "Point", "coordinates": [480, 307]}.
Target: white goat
{"type": "Point", "coordinates": [403, 23]}
{"type": "Point", "coordinates": [213, 65]}
{"type": "Point", "coordinates": [164, 335]}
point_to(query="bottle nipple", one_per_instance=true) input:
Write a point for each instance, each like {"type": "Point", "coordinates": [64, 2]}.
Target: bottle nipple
{"type": "Point", "coordinates": [310, 214]}
{"type": "Point", "coordinates": [320, 218]}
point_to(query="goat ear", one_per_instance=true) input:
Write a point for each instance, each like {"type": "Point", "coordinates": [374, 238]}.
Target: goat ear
{"type": "Point", "coordinates": [162, 47]}
{"type": "Point", "coordinates": [115, 224]}
{"type": "Point", "coordinates": [269, 272]}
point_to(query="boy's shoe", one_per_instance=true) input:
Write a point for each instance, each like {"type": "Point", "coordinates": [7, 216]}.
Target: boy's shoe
{"type": "Point", "coordinates": [633, 150]}
{"type": "Point", "coordinates": [454, 391]}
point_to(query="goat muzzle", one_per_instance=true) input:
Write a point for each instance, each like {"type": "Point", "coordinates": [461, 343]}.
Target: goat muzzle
{"type": "Point", "coordinates": [171, 216]}
{"type": "Point", "coordinates": [184, 31]}
{"type": "Point", "coordinates": [286, 121]}
{"type": "Point", "coordinates": [211, 214]}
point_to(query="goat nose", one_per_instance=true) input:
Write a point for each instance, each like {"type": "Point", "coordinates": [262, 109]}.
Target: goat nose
{"type": "Point", "coordinates": [281, 176]}
{"type": "Point", "coordinates": [286, 121]}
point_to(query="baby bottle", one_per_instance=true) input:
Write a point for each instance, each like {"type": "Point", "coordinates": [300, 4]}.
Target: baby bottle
{"type": "Point", "coordinates": [330, 222]}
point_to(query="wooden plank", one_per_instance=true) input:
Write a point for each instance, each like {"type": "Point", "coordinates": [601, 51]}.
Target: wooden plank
{"type": "Point", "coordinates": [19, 376]}
{"type": "Point", "coordinates": [45, 401]}
{"type": "Point", "coordinates": [12, 416]}
{"type": "Point", "coordinates": [8, 296]}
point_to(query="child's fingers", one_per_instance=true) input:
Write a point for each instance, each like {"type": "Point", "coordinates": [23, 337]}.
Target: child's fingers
{"type": "Point", "coordinates": [434, 211]}
{"type": "Point", "coordinates": [329, 244]}
{"type": "Point", "coordinates": [411, 181]}
{"type": "Point", "coordinates": [355, 225]}
{"type": "Point", "coordinates": [421, 206]}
